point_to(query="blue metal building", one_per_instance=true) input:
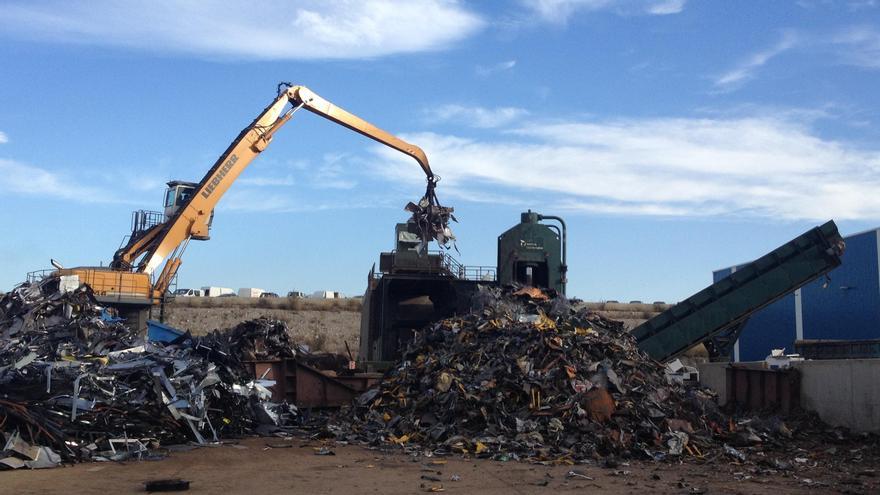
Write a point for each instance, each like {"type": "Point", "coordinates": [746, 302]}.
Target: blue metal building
{"type": "Point", "coordinates": [844, 307]}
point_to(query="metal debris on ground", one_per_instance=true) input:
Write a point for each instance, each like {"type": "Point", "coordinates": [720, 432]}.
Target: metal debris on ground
{"type": "Point", "coordinates": [169, 485]}
{"type": "Point", "coordinates": [575, 474]}
{"type": "Point", "coordinates": [324, 451]}
{"type": "Point", "coordinates": [79, 385]}
{"type": "Point", "coordinates": [528, 376]}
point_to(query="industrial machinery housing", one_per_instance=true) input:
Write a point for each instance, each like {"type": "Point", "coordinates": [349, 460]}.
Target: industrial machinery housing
{"type": "Point", "coordinates": [412, 289]}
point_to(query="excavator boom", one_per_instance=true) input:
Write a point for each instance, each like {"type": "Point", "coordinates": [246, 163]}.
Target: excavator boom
{"type": "Point", "coordinates": [317, 105]}
{"type": "Point", "coordinates": [145, 252]}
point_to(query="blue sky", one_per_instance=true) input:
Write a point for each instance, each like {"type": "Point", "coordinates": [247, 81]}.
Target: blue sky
{"type": "Point", "coordinates": [675, 136]}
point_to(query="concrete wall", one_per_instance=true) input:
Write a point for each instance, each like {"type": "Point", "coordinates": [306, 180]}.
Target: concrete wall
{"type": "Point", "coordinates": [844, 392]}
{"type": "Point", "coordinates": [712, 375]}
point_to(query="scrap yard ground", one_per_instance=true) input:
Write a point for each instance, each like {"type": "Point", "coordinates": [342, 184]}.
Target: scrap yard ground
{"type": "Point", "coordinates": [251, 467]}
{"type": "Point", "coordinates": [327, 454]}
{"type": "Point", "coordinates": [291, 466]}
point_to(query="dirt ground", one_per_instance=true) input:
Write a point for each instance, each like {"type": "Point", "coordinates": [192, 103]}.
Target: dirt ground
{"type": "Point", "coordinates": [251, 467]}
{"type": "Point", "coordinates": [325, 331]}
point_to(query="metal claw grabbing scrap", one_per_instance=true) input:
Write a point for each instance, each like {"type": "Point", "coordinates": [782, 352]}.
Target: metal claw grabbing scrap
{"type": "Point", "coordinates": [432, 219]}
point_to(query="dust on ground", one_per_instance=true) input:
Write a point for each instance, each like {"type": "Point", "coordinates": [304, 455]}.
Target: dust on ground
{"type": "Point", "coordinates": [250, 467]}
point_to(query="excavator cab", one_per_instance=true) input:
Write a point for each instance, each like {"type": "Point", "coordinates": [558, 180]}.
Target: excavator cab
{"type": "Point", "coordinates": [177, 195]}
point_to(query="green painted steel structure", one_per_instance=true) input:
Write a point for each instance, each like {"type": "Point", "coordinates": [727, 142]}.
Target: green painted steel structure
{"type": "Point", "coordinates": [533, 253]}
{"type": "Point", "coordinates": [728, 303]}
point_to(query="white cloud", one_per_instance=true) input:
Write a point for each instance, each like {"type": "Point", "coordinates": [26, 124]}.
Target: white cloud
{"type": "Point", "coordinates": [334, 172]}
{"type": "Point", "coordinates": [851, 5]}
{"type": "Point", "coordinates": [562, 10]}
{"type": "Point", "coordinates": [271, 29]}
{"type": "Point", "coordinates": [476, 116]}
{"type": "Point", "coordinates": [759, 167]}
{"type": "Point", "coordinates": [859, 46]}
{"type": "Point", "coordinates": [735, 77]}
{"type": "Point", "coordinates": [23, 179]}
{"type": "Point", "coordinates": [143, 182]}
{"type": "Point", "coordinates": [488, 70]}
{"type": "Point", "coordinates": [287, 180]}
{"type": "Point", "coordinates": [252, 200]}
{"type": "Point", "coordinates": [666, 7]}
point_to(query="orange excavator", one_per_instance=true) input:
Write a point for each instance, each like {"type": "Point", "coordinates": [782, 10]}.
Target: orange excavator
{"type": "Point", "coordinates": [137, 279]}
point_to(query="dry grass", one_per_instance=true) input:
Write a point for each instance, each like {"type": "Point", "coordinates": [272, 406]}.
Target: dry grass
{"type": "Point", "coordinates": [322, 324]}
{"type": "Point", "coordinates": [321, 330]}
{"type": "Point", "coordinates": [627, 307]}
{"type": "Point", "coordinates": [285, 303]}
{"type": "Point", "coordinates": [631, 314]}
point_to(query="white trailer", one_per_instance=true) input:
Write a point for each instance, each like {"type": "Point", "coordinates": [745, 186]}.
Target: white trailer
{"type": "Point", "coordinates": [326, 294]}
{"type": "Point", "coordinates": [250, 292]}
{"type": "Point", "coordinates": [217, 291]}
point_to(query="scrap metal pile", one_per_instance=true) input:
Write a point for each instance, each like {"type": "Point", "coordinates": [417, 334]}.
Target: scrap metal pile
{"type": "Point", "coordinates": [77, 385]}
{"type": "Point", "coordinates": [527, 376]}
{"type": "Point", "coordinates": [432, 219]}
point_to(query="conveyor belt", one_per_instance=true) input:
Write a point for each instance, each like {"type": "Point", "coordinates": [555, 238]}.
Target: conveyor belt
{"type": "Point", "coordinates": [728, 303]}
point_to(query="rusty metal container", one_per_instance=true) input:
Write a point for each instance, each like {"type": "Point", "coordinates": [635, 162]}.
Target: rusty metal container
{"type": "Point", "coordinates": [306, 387]}
{"type": "Point", "coordinates": [759, 389]}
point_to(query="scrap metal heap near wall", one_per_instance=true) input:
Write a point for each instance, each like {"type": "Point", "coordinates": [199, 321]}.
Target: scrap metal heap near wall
{"type": "Point", "coordinates": [527, 376]}
{"type": "Point", "coordinates": [78, 386]}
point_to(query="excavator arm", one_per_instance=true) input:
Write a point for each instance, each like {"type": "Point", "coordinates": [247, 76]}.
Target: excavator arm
{"type": "Point", "coordinates": [168, 240]}
{"type": "Point", "coordinates": [301, 95]}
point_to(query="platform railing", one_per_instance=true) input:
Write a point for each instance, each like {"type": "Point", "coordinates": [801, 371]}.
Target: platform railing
{"type": "Point", "coordinates": [143, 220]}
{"type": "Point", "coordinates": [450, 266]}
